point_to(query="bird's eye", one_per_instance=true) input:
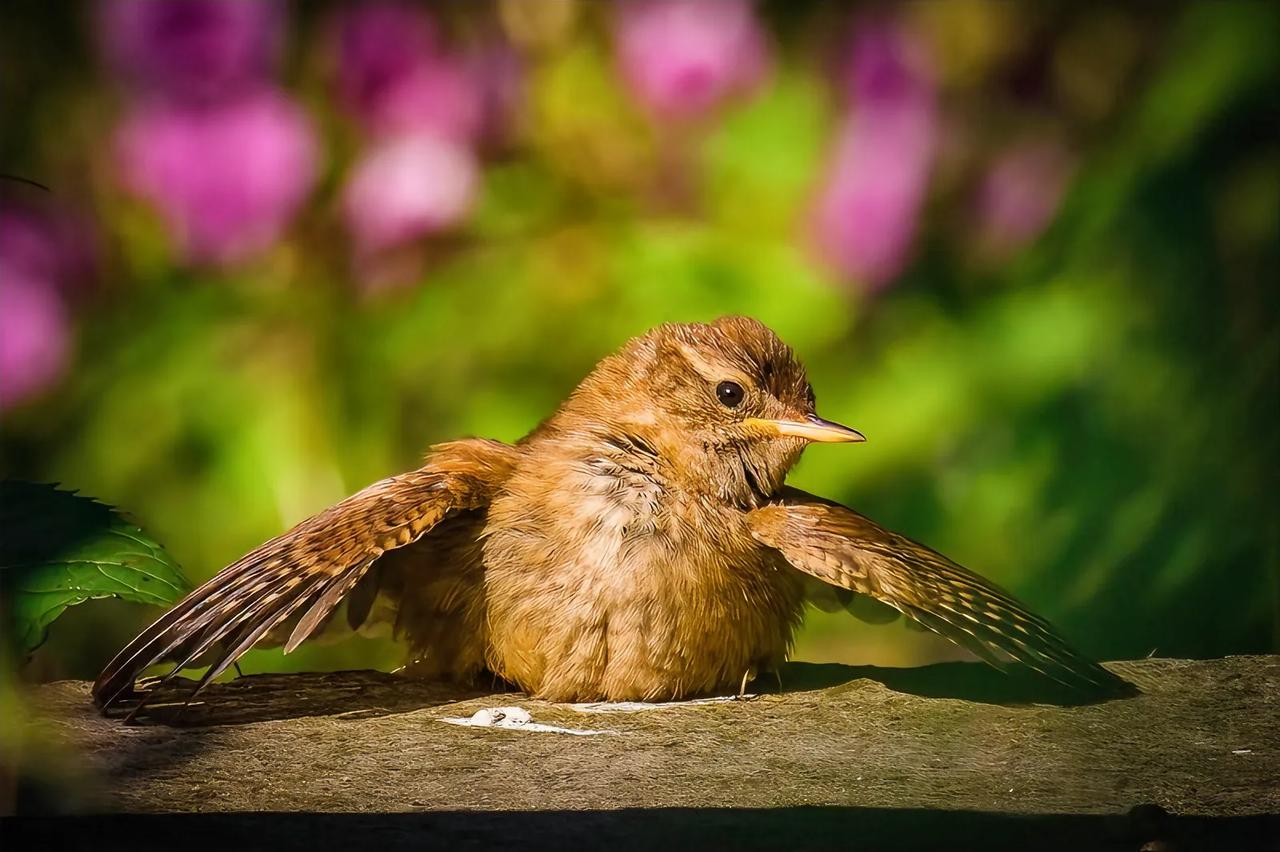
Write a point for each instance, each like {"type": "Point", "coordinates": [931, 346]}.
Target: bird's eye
{"type": "Point", "coordinates": [730, 394]}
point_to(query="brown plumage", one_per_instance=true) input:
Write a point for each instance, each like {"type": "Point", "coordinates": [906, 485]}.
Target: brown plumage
{"type": "Point", "coordinates": [639, 544]}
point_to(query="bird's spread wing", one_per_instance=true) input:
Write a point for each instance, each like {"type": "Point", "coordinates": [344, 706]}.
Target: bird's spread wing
{"type": "Point", "coordinates": [306, 572]}
{"type": "Point", "coordinates": [845, 549]}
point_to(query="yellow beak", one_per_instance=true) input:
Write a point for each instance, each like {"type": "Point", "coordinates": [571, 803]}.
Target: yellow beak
{"type": "Point", "coordinates": [812, 428]}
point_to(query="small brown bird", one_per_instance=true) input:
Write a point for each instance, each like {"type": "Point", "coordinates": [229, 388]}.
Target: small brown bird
{"type": "Point", "coordinates": [639, 544]}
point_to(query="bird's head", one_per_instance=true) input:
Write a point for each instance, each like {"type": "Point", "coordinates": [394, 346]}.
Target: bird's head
{"type": "Point", "coordinates": [727, 404]}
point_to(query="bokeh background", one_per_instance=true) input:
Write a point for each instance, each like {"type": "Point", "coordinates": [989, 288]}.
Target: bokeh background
{"type": "Point", "coordinates": [1031, 250]}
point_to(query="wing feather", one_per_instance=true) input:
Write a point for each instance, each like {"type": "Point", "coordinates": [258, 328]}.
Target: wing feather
{"type": "Point", "coordinates": [845, 549]}
{"type": "Point", "coordinates": [310, 568]}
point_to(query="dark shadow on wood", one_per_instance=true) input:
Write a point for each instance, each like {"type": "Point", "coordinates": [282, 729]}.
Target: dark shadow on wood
{"type": "Point", "coordinates": [356, 694]}
{"type": "Point", "coordinates": [1147, 827]}
{"type": "Point", "coordinates": [269, 697]}
{"type": "Point", "coordinates": [969, 681]}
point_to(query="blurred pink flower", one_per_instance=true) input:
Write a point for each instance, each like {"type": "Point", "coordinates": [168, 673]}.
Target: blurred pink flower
{"type": "Point", "coordinates": [868, 210]}
{"type": "Point", "coordinates": [191, 50]}
{"type": "Point", "coordinates": [1020, 195]}
{"type": "Point", "coordinates": [683, 57]}
{"type": "Point", "coordinates": [227, 178]}
{"type": "Point", "coordinates": [406, 187]}
{"type": "Point", "coordinates": [438, 94]}
{"type": "Point", "coordinates": [25, 244]}
{"type": "Point", "coordinates": [378, 43]}
{"type": "Point", "coordinates": [885, 65]}
{"type": "Point", "coordinates": [37, 261]}
{"type": "Point", "coordinates": [396, 76]}
{"type": "Point", "coordinates": [48, 243]}
{"type": "Point", "coordinates": [34, 338]}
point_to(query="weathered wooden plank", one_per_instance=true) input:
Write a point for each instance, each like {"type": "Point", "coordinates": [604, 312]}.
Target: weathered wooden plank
{"type": "Point", "coordinates": [869, 744]}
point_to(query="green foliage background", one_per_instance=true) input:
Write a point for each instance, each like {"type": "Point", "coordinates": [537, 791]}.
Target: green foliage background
{"type": "Point", "coordinates": [1092, 424]}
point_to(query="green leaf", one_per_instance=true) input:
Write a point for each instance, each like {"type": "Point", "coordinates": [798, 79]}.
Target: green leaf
{"type": "Point", "coordinates": [58, 549]}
